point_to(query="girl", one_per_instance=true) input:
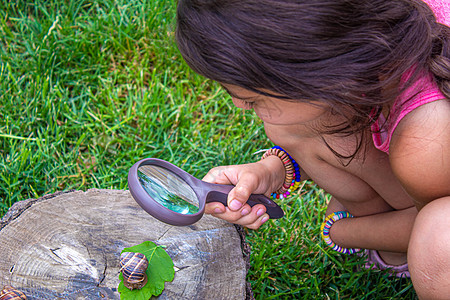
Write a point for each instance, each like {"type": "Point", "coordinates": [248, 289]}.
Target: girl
{"type": "Point", "coordinates": [355, 93]}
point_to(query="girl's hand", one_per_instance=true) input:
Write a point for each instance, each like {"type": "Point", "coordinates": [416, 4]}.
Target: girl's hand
{"type": "Point", "coordinates": [262, 177]}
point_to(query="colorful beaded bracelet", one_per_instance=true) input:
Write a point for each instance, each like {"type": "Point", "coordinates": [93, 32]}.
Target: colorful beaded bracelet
{"type": "Point", "coordinates": [292, 175]}
{"type": "Point", "coordinates": [325, 231]}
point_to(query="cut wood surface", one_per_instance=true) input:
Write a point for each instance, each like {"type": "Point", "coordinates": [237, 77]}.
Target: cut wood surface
{"type": "Point", "coordinates": [67, 246]}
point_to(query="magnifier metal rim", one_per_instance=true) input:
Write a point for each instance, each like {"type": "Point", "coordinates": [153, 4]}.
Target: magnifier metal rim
{"type": "Point", "coordinates": [152, 206]}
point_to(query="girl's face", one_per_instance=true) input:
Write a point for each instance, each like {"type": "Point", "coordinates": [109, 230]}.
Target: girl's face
{"type": "Point", "coordinates": [276, 111]}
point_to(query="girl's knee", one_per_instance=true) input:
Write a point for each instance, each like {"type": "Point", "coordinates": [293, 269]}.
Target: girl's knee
{"type": "Point", "coordinates": [429, 251]}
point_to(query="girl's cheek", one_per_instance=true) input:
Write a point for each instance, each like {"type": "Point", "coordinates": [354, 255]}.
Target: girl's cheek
{"type": "Point", "coordinates": [238, 103]}
{"type": "Point", "coordinates": [267, 113]}
{"type": "Point", "coordinates": [271, 109]}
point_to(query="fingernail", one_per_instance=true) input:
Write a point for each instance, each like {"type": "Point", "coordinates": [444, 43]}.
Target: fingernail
{"type": "Point", "coordinates": [264, 220]}
{"type": "Point", "coordinates": [217, 210]}
{"type": "Point", "coordinates": [235, 205]}
{"type": "Point", "coordinates": [260, 212]}
{"type": "Point", "coordinates": [245, 212]}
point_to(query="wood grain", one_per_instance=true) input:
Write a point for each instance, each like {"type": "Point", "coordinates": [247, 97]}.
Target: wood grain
{"type": "Point", "coordinates": [67, 246]}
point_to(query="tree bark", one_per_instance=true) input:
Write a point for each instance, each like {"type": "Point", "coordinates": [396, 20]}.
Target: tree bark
{"type": "Point", "coordinates": [67, 246]}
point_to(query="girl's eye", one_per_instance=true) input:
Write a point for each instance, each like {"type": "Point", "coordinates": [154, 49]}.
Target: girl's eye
{"type": "Point", "coordinates": [249, 104]}
{"type": "Point", "coordinates": [246, 101]}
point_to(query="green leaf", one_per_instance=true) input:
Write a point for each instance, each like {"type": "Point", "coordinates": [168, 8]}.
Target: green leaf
{"type": "Point", "coordinates": [160, 269]}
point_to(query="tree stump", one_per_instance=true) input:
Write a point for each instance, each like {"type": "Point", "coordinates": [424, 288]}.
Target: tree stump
{"type": "Point", "coordinates": [67, 246]}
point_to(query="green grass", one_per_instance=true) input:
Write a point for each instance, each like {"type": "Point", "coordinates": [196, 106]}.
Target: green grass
{"type": "Point", "coordinates": [87, 88]}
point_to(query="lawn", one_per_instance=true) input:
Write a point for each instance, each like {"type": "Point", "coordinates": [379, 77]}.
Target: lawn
{"type": "Point", "coordinates": [87, 88]}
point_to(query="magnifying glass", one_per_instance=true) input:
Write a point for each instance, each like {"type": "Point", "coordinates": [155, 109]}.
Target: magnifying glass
{"type": "Point", "coordinates": [176, 197]}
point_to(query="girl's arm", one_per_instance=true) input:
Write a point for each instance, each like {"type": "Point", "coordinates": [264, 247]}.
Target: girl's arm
{"type": "Point", "coordinates": [388, 231]}
{"type": "Point", "coordinates": [420, 152]}
{"type": "Point", "coordinates": [262, 177]}
{"type": "Point", "coordinates": [420, 159]}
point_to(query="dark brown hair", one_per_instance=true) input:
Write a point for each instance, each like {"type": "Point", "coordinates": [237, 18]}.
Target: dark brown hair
{"type": "Point", "coordinates": [340, 52]}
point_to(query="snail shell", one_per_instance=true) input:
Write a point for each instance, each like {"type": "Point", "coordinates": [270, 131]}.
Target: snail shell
{"type": "Point", "coordinates": [133, 267]}
{"type": "Point", "coordinates": [10, 293]}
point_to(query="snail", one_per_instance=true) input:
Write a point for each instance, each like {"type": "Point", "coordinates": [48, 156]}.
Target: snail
{"type": "Point", "coordinates": [133, 267]}
{"type": "Point", "coordinates": [10, 293]}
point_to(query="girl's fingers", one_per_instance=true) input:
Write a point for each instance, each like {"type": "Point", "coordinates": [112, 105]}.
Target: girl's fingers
{"type": "Point", "coordinates": [237, 210]}
{"type": "Point", "coordinates": [220, 175]}
{"type": "Point", "coordinates": [251, 217]}
{"type": "Point", "coordinates": [255, 218]}
{"type": "Point", "coordinates": [211, 176]}
{"type": "Point", "coordinates": [214, 208]}
{"type": "Point", "coordinates": [229, 215]}
{"type": "Point", "coordinates": [239, 195]}
{"type": "Point", "coordinates": [258, 223]}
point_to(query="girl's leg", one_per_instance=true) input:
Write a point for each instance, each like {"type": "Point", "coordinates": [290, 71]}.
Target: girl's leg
{"type": "Point", "coordinates": [429, 251]}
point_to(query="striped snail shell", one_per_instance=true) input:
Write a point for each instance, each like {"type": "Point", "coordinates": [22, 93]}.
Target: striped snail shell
{"type": "Point", "coordinates": [10, 293]}
{"type": "Point", "coordinates": [133, 267]}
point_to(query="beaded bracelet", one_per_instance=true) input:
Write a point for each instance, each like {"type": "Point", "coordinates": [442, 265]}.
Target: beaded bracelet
{"type": "Point", "coordinates": [292, 175]}
{"type": "Point", "coordinates": [325, 231]}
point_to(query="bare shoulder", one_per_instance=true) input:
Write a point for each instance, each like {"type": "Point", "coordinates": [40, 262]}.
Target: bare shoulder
{"type": "Point", "coordinates": [420, 152]}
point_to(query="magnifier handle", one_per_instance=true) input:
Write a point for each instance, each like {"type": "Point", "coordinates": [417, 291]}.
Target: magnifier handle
{"type": "Point", "coordinates": [272, 209]}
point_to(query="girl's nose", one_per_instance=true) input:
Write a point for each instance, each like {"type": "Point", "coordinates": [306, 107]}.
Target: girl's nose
{"type": "Point", "coordinates": [241, 104]}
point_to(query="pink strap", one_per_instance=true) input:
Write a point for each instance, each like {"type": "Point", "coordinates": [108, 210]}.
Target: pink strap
{"type": "Point", "coordinates": [422, 91]}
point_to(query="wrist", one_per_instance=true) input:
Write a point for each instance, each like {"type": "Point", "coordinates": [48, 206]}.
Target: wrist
{"type": "Point", "coordinates": [338, 232]}
{"type": "Point", "coordinates": [275, 169]}
{"type": "Point", "coordinates": [333, 232]}
{"type": "Point", "coordinates": [292, 176]}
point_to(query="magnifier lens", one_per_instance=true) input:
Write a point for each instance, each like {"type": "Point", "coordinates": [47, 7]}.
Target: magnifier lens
{"type": "Point", "coordinates": [168, 189]}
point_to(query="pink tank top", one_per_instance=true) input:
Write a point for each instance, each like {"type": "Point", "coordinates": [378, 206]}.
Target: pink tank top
{"type": "Point", "coordinates": [423, 91]}
{"type": "Point", "coordinates": [441, 9]}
